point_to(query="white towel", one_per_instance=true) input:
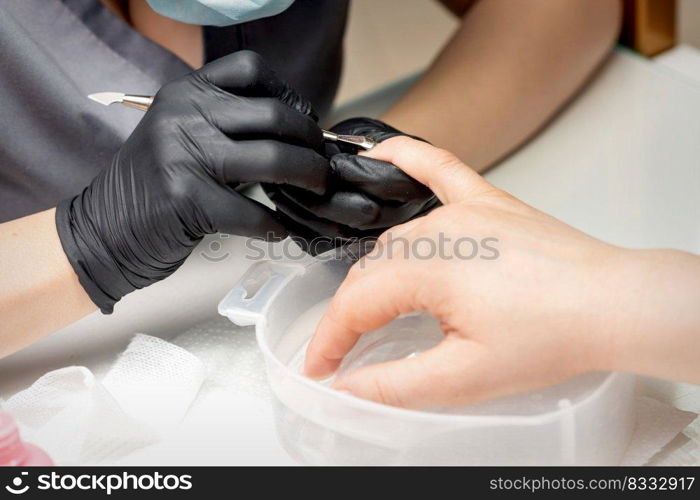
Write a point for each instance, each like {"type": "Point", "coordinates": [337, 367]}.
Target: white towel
{"type": "Point", "coordinates": [79, 420]}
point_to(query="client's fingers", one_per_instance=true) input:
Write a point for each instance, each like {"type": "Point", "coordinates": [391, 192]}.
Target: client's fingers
{"type": "Point", "coordinates": [366, 304]}
{"type": "Point", "coordinates": [437, 377]}
{"type": "Point", "coordinates": [450, 179]}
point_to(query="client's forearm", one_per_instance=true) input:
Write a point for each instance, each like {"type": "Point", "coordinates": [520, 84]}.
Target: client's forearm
{"type": "Point", "coordinates": [507, 70]}
{"type": "Point", "coordinates": [39, 292]}
{"type": "Point", "coordinates": [655, 325]}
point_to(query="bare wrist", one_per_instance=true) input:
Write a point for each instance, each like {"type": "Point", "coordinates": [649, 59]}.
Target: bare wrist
{"type": "Point", "coordinates": [652, 318]}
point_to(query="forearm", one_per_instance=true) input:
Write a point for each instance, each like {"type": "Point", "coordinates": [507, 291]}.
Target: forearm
{"type": "Point", "coordinates": [39, 292]}
{"type": "Point", "coordinates": [507, 70]}
{"type": "Point", "coordinates": [653, 326]}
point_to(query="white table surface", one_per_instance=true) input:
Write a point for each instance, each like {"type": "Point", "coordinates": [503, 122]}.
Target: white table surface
{"type": "Point", "coordinates": [622, 163]}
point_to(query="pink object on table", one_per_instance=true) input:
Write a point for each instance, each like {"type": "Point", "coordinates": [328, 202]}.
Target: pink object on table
{"type": "Point", "coordinates": [14, 451]}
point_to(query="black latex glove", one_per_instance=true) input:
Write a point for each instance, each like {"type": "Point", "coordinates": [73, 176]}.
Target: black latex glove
{"type": "Point", "coordinates": [368, 195]}
{"type": "Point", "coordinates": [172, 182]}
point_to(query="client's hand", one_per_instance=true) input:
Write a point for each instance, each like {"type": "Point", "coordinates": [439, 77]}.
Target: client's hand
{"type": "Point", "coordinates": [548, 303]}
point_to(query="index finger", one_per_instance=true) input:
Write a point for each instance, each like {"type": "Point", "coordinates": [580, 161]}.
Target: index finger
{"type": "Point", "coordinates": [359, 306]}
{"type": "Point", "coordinates": [445, 174]}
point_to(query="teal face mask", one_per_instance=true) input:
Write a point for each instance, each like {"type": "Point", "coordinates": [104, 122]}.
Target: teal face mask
{"type": "Point", "coordinates": [218, 12]}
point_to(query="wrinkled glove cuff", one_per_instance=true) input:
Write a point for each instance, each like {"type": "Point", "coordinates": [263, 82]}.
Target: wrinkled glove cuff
{"type": "Point", "coordinates": [88, 257]}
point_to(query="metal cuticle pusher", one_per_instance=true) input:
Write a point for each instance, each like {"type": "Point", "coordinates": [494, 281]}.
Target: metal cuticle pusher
{"type": "Point", "coordinates": [143, 102]}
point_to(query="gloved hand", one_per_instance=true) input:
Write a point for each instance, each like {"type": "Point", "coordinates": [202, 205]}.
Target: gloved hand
{"type": "Point", "coordinates": [367, 197]}
{"type": "Point", "coordinates": [172, 182]}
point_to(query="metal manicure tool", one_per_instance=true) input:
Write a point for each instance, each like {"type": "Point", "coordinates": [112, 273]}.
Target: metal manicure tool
{"type": "Point", "coordinates": [143, 102]}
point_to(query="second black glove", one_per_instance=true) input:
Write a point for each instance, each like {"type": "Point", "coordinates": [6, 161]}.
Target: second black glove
{"type": "Point", "coordinates": [367, 195]}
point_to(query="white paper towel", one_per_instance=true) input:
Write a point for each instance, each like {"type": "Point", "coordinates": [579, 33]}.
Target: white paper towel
{"type": "Point", "coordinates": [230, 356]}
{"type": "Point", "coordinates": [79, 420]}
{"type": "Point", "coordinates": [72, 416]}
{"type": "Point", "coordinates": [155, 382]}
{"type": "Point", "coordinates": [231, 421]}
{"type": "Point", "coordinates": [657, 425]}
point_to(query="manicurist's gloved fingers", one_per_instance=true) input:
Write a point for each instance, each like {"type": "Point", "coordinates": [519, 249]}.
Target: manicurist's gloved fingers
{"type": "Point", "coordinates": [349, 208]}
{"type": "Point", "coordinates": [245, 73]}
{"type": "Point", "coordinates": [230, 212]}
{"type": "Point", "coordinates": [352, 208]}
{"type": "Point", "coordinates": [272, 162]}
{"type": "Point", "coordinates": [377, 178]}
{"type": "Point", "coordinates": [263, 117]}
{"type": "Point", "coordinates": [303, 217]}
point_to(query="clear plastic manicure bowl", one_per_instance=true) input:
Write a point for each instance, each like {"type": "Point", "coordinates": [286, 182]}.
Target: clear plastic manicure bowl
{"type": "Point", "coordinates": [586, 421]}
